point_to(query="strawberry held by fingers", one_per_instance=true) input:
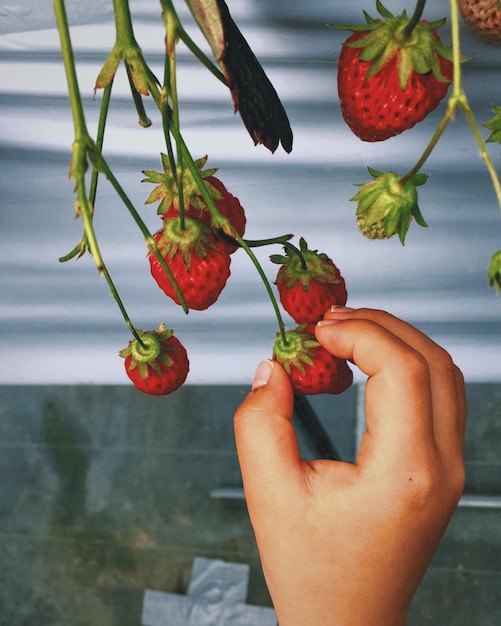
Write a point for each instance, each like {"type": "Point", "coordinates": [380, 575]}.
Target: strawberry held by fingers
{"type": "Point", "coordinates": [311, 369]}
{"type": "Point", "coordinates": [308, 283]}
{"type": "Point", "coordinates": [389, 79]}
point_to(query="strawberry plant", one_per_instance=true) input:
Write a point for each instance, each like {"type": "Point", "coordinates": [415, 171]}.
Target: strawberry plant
{"type": "Point", "coordinates": [393, 71]}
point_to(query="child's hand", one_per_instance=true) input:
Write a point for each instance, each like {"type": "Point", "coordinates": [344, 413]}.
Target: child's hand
{"type": "Point", "coordinates": [345, 544]}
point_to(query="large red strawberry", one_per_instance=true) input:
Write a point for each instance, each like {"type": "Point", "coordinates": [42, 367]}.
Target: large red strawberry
{"type": "Point", "coordinates": [482, 17]}
{"type": "Point", "coordinates": [389, 79]}
{"type": "Point", "coordinates": [308, 283]}
{"type": "Point", "coordinates": [199, 265]}
{"type": "Point", "coordinates": [311, 369]}
{"type": "Point", "coordinates": [160, 365]}
{"type": "Point", "coordinates": [194, 204]}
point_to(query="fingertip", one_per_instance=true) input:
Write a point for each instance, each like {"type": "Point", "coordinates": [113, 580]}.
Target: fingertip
{"type": "Point", "coordinates": [263, 374]}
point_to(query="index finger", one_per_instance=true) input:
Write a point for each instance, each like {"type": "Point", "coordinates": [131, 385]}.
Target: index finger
{"type": "Point", "coordinates": [398, 401]}
{"type": "Point", "coordinates": [446, 380]}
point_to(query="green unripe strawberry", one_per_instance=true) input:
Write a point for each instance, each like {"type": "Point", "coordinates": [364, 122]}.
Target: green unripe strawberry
{"type": "Point", "coordinates": [386, 206]}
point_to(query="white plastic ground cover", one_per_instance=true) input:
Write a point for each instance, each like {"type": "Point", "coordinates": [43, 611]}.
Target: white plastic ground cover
{"type": "Point", "coordinates": [216, 597]}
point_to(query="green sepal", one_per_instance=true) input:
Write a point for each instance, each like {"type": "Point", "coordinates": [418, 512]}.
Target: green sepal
{"type": "Point", "coordinates": [167, 193]}
{"type": "Point", "coordinates": [297, 351]}
{"type": "Point", "coordinates": [494, 125]}
{"type": "Point", "coordinates": [317, 266]}
{"type": "Point", "coordinates": [494, 271]}
{"type": "Point", "coordinates": [195, 237]}
{"type": "Point", "coordinates": [152, 354]}
{"type": "Point", "coordinates": [384, 39]}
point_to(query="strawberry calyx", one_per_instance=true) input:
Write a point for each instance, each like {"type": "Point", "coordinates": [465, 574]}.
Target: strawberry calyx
{"type": "Point", "coordinates": [295, 349]}
{"type": "Point", "coordinates": [305, 265]}
{"type": "Point", "coordinates": [387, 204]}
{"type": "Point", "coordinates": [152, 353]}
{"type": "Point", "coordinates": [389, 39]}
{"type": "Point", "coordinates": [167, 191]}
{"type": "Point", "coordinates": [194, 238]}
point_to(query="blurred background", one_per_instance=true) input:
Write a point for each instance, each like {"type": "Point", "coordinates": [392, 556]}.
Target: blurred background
{"type": "Point", "coordinates": [58, 322]}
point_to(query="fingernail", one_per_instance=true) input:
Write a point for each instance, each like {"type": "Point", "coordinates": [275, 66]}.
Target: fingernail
{"type": "Point", "coordinates": [263, 374]}
{"type": "Point", "coordinates": [336, 308]}
{"type": "Point", "coordinates": [327, 322]}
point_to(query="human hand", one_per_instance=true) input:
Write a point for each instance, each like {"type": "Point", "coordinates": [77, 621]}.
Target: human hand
{"type": "Point", "coordinates": [347, 544]}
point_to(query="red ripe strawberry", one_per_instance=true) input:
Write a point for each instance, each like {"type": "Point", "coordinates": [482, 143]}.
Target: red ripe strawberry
{"type": "Point", "coordinates": [311, 369]}
{"type": "Point", "coordinates": [389, 80]}
{"type": "Point", "coordinates": [160, 365]}
{"type": "Point", "coordinates": [308, 283]}
{"type": "Point", "coordinates": [195, 206]}
{"type": "Point", "coordinates": [482, 17]}
{"type": "Point", "coordinates": [199, 265]}
{"type": "Point", "coordinates": [228, 205]}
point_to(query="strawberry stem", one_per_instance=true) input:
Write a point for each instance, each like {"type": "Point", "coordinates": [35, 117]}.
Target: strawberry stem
{"type": "Point", "coordinates": [144, 120]}
{"type": "Point", "coordinates": [215, 213]}
{"type": "Point", "coordinates": [298, 253]}
{"type": "Point", "coordinates": [256, 243]}
{"type": "Point", "coordinates": [458, 99]}
{"type": "Point", "coordinates": [416, 16]}
{"type": "Point", "coordinates": [171, 22]}
{"type": "Point", "coordinates": [192, 46]}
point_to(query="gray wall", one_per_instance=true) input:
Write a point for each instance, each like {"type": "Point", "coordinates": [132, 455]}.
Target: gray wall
{"type": "Point", "coordinates": [105, 492]}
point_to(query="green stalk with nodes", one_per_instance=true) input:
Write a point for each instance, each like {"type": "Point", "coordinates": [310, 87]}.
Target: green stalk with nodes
{"type": "Point", "coordinates": [457, 100]}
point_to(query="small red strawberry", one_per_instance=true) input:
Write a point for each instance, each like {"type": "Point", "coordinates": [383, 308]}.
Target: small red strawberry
{"type": "Point", "coordinates": [482, 17]}
{"type": "Point", "coordinates": [388, 79]}
{"type": "Point", "coordinates": [199, 265]}
{"type": "Point", "coordinates": [194, 204]}
{"type": "Point", "coordinates": [308, 283]}
{"type": "Point", "coordinates": [311, 369]}
{"type": "Point", "coordinates": [160, 365]}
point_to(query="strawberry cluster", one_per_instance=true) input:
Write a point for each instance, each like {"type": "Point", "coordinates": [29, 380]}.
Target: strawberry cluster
{"type": "Point", "coordinates": [189, 259]}
{"type": "Point", "coordinates": [309, 283]}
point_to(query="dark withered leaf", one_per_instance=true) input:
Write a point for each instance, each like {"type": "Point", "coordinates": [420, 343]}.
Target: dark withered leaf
{"type": "Point", "coordinates": [254, 96]}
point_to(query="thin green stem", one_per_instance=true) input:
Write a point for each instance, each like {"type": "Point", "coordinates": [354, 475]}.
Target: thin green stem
{"type": "Point", "coordinates": [225, 224]}
{"type": "Point", "coordinates": [201, 56]}
{"type": "Point", "coordinates": [171, 27]}
{"type": "Point", "coordinates": [144, 120]}
{"type": "Point", "coordinates": [123, 22]}
{"type": "Point", "coordinates": [416, 16]}
{"type": "Point", "coordinates": [81, 146]}
{"type": "Point", "coordinates": [101, 128]}
{"type": "Point", "coordinates": [148, 237]}
{"type": "Point", "coordinates": [70, 69]}
{"type": "Point", "coordinates": [297, 252]}
{"type": "Point", "coordinates": [446, 118]}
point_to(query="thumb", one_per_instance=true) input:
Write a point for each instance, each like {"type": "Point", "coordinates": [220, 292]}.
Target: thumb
{"type": "Point", "coordinates": [265, 438]}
